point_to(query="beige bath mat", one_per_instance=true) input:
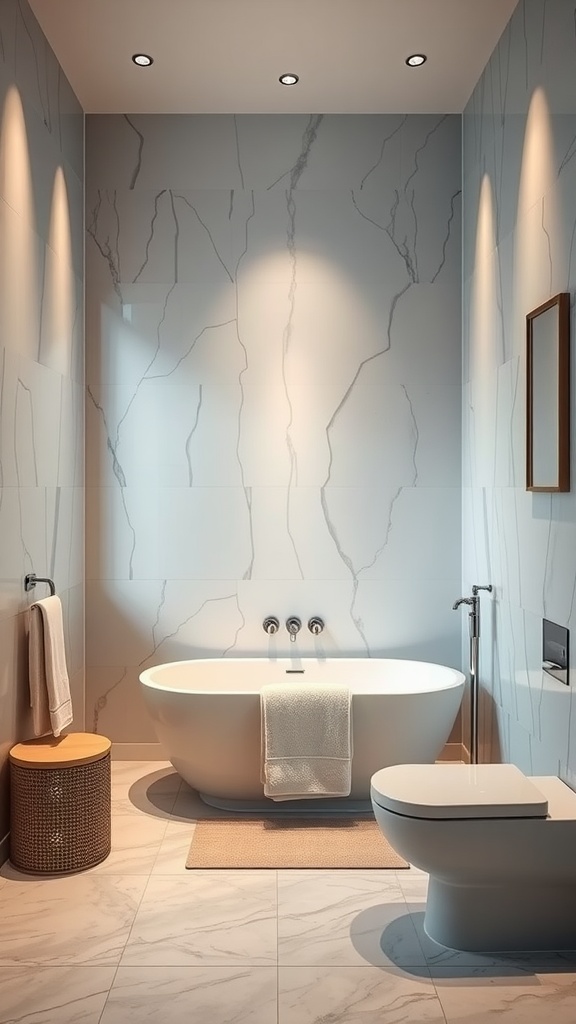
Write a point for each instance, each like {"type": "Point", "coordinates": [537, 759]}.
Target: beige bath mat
{"type": "Point", "coordinates": [353, 842]}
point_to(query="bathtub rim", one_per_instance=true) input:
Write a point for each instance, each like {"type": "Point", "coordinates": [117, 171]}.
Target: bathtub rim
{"type": "Point", "coordinates": [455, 678]}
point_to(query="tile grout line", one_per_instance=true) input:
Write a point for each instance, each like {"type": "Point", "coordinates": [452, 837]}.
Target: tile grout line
{"type": "Point", "coordinates": [132, 925]}
{"type": "Point", "coordinates": [108, 993]}
{"type": "Point", "coordinates": [144, 889]}
{"type": "Point", "coordinates": [168, 820]}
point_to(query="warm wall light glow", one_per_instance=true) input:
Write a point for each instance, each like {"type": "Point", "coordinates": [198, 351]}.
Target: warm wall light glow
{"type": "Point", "coordinates": [285, 304]}
{"type": "Point", "coordinates": [60, 237]}
{"type": "Point", "coordinates": [19, 271]}
{"type": "Point", "coordinates": [59, 305]}
{"type": "Point", "coordinates": [484, 337]}
{"type": "Point", "coordinates": [540, 230]}
{"type": "Point", "coordinates": [537, 173]}
{"type": "Point", "coordinates": [484, 330]}
{"type": "Point", "coordinates": [15, 174]}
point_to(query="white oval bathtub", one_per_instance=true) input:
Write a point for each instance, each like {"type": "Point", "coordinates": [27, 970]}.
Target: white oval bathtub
{"type": "Point", "coordinates": [207, 716]}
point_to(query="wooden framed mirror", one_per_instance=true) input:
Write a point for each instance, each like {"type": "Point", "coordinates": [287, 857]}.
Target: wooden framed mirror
{"type": "Point", "coordinates": [548, 395]}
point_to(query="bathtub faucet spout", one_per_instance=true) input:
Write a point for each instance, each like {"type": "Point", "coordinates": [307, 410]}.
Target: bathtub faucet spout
{"type": "Point", "coordinates": [293, 625]}
{"type": "Point", "coordinates": [462, 600]}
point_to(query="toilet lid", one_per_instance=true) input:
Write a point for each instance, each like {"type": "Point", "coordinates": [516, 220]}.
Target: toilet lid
{"type": "Point", "coordinates": [458, 791]}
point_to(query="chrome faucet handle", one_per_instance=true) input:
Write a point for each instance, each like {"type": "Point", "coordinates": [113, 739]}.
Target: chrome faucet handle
{"type": "Point", "coordinates": [293, 625]}
{"type": "Point", "coordinates": [476, 588]}
{"type": "Point", "coordinates": [315, 625]}
{"type": "Point", "coordinates": [271, 625]}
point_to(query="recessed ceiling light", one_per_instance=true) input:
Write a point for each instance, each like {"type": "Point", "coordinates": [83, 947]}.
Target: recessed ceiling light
{"type": "Point", "coordinates": [416, 60]}
{"type": "Point", "coordinates": [142, 60]}
{"type": "Point", "coordinates": [288, 79]}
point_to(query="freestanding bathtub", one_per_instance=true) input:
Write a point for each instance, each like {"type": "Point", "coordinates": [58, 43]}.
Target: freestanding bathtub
{"type": "Point", "coordinates": [207, 716]}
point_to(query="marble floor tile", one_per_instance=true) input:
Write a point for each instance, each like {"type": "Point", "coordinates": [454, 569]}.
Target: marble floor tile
{"type": "Point", "coordinates": [355, 995]}
{"type": "Point", "coordinates": [171, 857]}
{"type": "Point", "coordinates": [46, 995]}
{"type": "Point", "coordinates": [136, 841]}
{"type": "Point", "coordinates": [344, 918]}
{"type": "Point", "coordinates": [508, 998]}
{"type": "Point", "coordinates": [203, 945]}
{"type": "Point", "coordinates": [218, 918]}
{"type": "Point", "coordinates": [80, 919]}
{"type": "Point", "coordinates": [414, 887]}
{"type": "Point", "coordinates": [126, 773]}
{"type": "Point", "coordinates": [185, 995]}
{"type": "Point", "coordinates": [143, 803]}
{"type": "Point", "coordinates": [144, 787]}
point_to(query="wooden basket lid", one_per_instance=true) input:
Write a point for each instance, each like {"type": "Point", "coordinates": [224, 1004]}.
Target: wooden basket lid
{"type": "Point", "coordinates": [75, 748]}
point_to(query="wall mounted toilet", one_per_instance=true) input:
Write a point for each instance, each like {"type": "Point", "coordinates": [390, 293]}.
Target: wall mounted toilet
{"type": "Point", "coordinates": [500, 849]}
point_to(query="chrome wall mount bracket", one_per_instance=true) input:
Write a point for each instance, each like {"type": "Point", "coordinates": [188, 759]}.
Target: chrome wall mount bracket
{"type": "Point", "coordinates": [31, 579]}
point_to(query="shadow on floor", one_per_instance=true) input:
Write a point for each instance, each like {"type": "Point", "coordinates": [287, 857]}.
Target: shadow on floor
{"type": "Point", "coordinates": [403, 943]}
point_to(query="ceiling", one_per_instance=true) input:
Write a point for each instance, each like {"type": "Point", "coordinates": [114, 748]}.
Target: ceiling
{"type": "Point", "coordinates": [225, 56]}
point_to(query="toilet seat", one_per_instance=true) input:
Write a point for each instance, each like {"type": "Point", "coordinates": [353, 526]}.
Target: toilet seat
{"type": "Point", "coordinates": [436, 791]}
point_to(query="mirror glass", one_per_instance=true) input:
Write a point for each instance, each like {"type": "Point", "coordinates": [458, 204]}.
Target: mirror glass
{"type": "Point", "coordinates": [548, 396]}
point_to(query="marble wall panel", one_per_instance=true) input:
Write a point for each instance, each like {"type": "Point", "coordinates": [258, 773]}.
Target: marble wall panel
{"type": "Point", "coordinates": [133, 625]}
{"type": "Point", "coordinates": [257, 151]}
{"type": "Point", "coordinates": [519, 228]}
{"type": "Point", "coordinates": [41, 362]}
{"type": "Point", "coordinates": [273, 403]}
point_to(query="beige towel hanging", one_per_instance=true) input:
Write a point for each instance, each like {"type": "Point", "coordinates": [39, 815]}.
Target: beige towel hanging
{"type": "Point", "coordinates": [306, 740]}
{"type": "Point", "coordinates": [48, 676]}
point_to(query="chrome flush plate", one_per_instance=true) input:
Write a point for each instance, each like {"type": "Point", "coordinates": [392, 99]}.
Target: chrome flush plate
{"type": "Point", "coordinates": [555, 650]}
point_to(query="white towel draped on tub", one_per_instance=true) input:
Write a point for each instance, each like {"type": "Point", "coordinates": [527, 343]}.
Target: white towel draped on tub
{"type": "Point", "coordinates": [48, 676]}
{"type": "Point", "coordinates": [306, 740]}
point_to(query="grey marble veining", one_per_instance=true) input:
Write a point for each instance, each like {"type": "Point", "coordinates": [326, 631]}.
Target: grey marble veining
{"type": "Point", "coordinates": [65, 994]}
{"type": "Point", "coordinates": [344, 919]}
{"type": "Point", "coordinates": [508, 996]}
{"type": "Point", "coordinates": [352, 995]}
{"type": "Point", "coordinates": [52, 925]}
{"type": "Point", "coordinates": [142, 994]}
{"type": "Point", "coordinates": [273, 395]}
{"type": "Point", "coordinates": [208, 918]}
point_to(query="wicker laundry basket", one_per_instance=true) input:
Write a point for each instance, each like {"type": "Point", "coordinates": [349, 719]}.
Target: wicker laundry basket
{"type": "Point", "coordinates": [60, 803]}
